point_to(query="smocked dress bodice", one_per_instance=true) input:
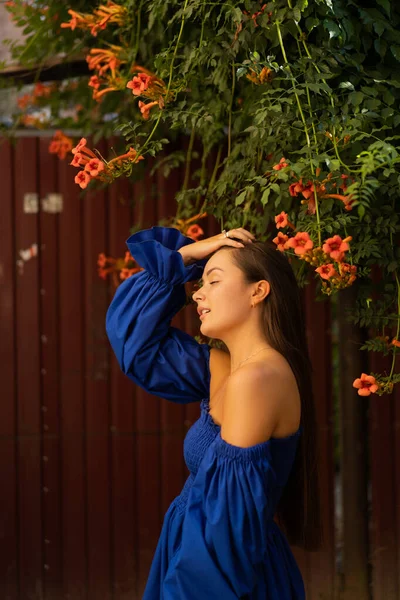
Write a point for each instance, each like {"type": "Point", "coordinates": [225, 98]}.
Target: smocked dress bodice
{"type": "Point", "coordinates": [219, 540]}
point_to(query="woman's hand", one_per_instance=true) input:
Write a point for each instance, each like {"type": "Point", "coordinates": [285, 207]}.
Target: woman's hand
{"type": "Point", "coordinates": [203, 248]}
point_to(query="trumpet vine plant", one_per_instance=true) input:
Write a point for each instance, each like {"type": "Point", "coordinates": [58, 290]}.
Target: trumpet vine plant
{"type": "Point", "coordinates": [290, 110]}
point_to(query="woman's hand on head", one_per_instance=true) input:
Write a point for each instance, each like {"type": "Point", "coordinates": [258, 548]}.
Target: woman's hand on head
{"type": "Point", "coordinates": [203, 248]}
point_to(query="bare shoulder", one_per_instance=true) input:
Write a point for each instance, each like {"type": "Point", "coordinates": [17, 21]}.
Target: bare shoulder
{"type": "Point", "coordinates": [256, 404]}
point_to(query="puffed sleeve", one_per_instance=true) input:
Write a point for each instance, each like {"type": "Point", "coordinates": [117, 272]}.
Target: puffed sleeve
{"type": "Point", "coordinates": [225, 526]}
{"type": "Point", "coordinates": [162, 359]}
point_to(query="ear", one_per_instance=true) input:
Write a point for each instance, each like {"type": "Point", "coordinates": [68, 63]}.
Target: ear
{"type": "Point", "coordinates": [261, 290]}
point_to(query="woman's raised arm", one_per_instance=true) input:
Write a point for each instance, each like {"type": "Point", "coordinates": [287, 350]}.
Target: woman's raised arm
{"type": "Point", "coordinates": [162, 359]}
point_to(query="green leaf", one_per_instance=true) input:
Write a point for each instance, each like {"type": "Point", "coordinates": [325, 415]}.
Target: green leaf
{"type": "Point", "coordinates": [311, 22]}
{"type": "Point", "coordinates": [265, 196]}
{"type": "Point", "coordinates": [346, 85]}
{"type": "Point", "coordinates": [356, 98]}
{"type": "Point", "coordinates": [388, 98]}
{"type": "Point", "coordinates": [369, 91]}
{"type": "Point", "coordinates": [373, 103]}
{"type": "Point", "coordinates": [296, 14]}
{"type": "Point", "coordinates": [333, 165]}
{"type": "Point", "coordinates": [379, 28]}
{"type": "Point", "coordinates": [381, 47]}
{"type": "Point", "coordinates": [387, 112]}
{"type": "Point", "coordinates": [385, 5]}
{"type": "Point", "coordinates": [395, 51]}
{"type": "Point", "coordinates": [332, 27]}
{"type": "Point", "coordinates": [241, 198]}
{"type": "Point", "coordinates": [392, 266]}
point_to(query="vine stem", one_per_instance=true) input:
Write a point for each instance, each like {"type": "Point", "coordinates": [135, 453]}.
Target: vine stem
{"type": "Point", "coordinates": [169, 83]}
{"type": "Point", "coordinates": [213, 177]}
{"type": "Point", "coordinates": [230, 110]}
{"type": "Point", "coordinates": [398, 306]}
{"type": "Point", "coordinates": [188, 159]}
{"type": "Point", "coordinates": [202, 176]}
{"type": "Point", "coordinates": [304, 125]}
{"type": "Point", "coordinates": [305, 46]}
{"type": "Point", "coordinates": [398, 325]}
{"type": "Point", "coordinates": [308, 100]}
{"type": "Point", "coordinates": [136, 49]}
{"type": "Point", "coordinates": [176, 46]}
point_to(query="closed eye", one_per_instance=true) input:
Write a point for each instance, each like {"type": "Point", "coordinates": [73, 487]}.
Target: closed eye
{"type": "Point", "coordinates": [212, 282]}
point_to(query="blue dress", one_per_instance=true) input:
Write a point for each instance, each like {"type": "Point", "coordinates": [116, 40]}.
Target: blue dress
{"type": "Point", "coordinates": [219, 540]}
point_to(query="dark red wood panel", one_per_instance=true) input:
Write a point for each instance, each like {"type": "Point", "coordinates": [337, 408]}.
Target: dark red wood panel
{"type": "Point", "coordinates": [8, 466]}
{"type": "Point", "coordinates": [318, 323]}
{"type": "Point", "coordinates": [50, 370]}
{"type": "Point", "coordinates": [98, 482]}
{"type": "Point", "coordinates": [172, 414]}
{"type": "Point", "coordinates": [148, 423]}
{"type": "Point", "coordinates": [30, 457]}
{"type": "Point", "coordinates": [123, 437]}
{"type": "Point", "coordinates": [72, 408]}
{"type": "Point", "coordinates": [396, 434]}
{"type": "Point", "coordinates": [99, 460]}
{"type": "Point", "coordinates": [384, 512]}
{"type": "Point", "coordinates": [384, 548]}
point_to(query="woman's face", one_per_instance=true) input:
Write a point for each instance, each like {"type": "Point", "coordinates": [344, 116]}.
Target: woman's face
{"type": "Point", "coordinates": [225, 293]}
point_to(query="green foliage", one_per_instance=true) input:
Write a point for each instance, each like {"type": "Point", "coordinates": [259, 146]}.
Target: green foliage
{"type": "Point", "coordinates": [316, 82]}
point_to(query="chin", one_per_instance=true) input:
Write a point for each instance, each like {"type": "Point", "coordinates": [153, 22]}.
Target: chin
{"type": "Point", "coordinates": [210, 332]}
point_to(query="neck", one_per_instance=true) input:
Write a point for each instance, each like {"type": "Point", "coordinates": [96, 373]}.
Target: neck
{"type": "Point", "coordinates": [243, 342]}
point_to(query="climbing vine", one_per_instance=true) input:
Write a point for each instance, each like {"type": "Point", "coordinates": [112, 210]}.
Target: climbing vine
{"type": "Point", "coordinates": [290, 111]}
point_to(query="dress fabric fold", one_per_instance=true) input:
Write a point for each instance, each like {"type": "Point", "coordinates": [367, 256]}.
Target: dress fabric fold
{"type": "Point", "coordinates": [219, 540]}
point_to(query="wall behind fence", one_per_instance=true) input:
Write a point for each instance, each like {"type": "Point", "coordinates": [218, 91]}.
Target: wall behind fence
{"type": "Point", "coordinates": [89, 463]}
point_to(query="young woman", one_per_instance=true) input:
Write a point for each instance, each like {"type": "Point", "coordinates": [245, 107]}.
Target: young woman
{"type": "Point", "coordinates": [251, 455]}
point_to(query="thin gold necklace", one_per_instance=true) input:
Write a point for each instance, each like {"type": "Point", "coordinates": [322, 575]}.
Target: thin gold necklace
{"type": "Point", "coordinates": [254, 353]}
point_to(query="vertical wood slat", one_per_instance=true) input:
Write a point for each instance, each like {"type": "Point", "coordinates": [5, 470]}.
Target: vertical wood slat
{"type": "Point", "coordinates": [123, 436]}
{"type": "Point", "coordinates": [383, 554]}
{"type": "Point", "coordinates": [382, 447]}
{"type": "Point", "coordinates": [383, 543]}
{"type": "Point", "coordinates": [96, 398]}
{"type": "Point", "coordinates": [354, 454]}
{"type": "Point", "coordinates": [172, 414]}
{"type": "Point", "coordinates": [30, 459]}
{"type": "Point", "coordinates": [71, 273]}
{"type": "Point", "coordinates": [318, 322]}
{"type": "Point", "coordinates": [148, 446]}
{"type": "Point", "coordinates": [49, 317]}
{"type": "Point", "coordinates": [396, 476]}
{"type": "Point", "coordinates": [8, 343]}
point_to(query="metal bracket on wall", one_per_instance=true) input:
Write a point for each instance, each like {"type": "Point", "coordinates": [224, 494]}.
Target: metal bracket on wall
{"type": "Point", "coordinates": [31, 203]}
{"type": "Point", "coordinates": [52, 203]}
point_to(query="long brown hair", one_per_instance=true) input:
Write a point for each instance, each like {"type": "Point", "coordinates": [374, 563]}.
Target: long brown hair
{"type": "Point", "coordinates": [298, 511]}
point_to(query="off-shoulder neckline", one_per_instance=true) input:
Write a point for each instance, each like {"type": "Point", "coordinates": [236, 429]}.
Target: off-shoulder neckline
{"type": "Point", "coordinates": [205, 404]}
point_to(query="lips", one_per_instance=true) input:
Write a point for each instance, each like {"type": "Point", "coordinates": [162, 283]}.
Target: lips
{"type": "Point", "coordinates": [200, 309]}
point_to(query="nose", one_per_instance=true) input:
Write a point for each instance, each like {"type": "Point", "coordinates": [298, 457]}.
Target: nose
{"type": "Point", "coordinates": [194, 295]}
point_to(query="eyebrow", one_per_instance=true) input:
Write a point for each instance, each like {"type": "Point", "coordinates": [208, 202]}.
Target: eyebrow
{"type": "Point", "coordinates": [213, 269]}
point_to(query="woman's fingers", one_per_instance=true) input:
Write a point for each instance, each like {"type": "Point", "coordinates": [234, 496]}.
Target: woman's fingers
{"type": "Point", "coordinates": [241, 234]}
{"type": "Point", "coordinates": [248, 234]}
{"type": "Point", "coordinates": [234, 243]}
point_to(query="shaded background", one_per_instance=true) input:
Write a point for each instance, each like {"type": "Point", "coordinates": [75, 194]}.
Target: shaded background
{"type": "Point", "coordinates": [89, 462]}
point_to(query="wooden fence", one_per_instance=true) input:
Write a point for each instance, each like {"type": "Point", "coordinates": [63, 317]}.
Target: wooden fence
{"type": "Point", "coordinates": [89, 462]}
